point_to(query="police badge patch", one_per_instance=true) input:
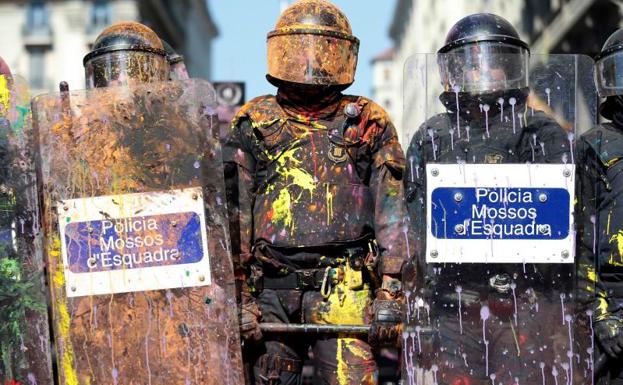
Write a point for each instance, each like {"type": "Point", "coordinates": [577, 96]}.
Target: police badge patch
{"type": "Point", "coordinates": [493, 158]}
{"type": "Point", "coordinates": [337, 154]}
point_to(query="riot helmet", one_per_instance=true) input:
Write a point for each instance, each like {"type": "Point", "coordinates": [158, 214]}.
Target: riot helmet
{"type": "Point", "coordinates": [176, 62]}
{"type": "Point", "coordinates": [312, 44]}
{"type": "Point", "coordinates": [483, 53]}
{"type": "Point", "coordinates": [126, 53]}
{"type": "Point", "coordinates": [609, 66]}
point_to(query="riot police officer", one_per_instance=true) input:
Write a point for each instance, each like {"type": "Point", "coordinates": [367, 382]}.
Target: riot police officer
{"type": "Point", "coordinates": [323, 227]}
{"type": "Point", "coordinates": [484, 74]}
{"type": "Point", "coordinates": [148, 142]}
{"type": "Point", "coordinates": [599, 207]}
{"type": "Point", "coordinates": [126, 53]}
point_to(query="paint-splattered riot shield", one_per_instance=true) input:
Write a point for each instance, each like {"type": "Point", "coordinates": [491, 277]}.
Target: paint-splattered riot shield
{"type": "Point", "coordinates": [489, 143]}
{"type": "Point", "coordinates": [136, 235]}
{"type": "Point", "coordinates": [24, 336]}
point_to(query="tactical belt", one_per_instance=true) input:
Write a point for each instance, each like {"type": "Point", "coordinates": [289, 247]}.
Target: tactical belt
{"type": "Point", "coordinates": [312, 279]}
{"type": "Point", "coordinates": [300, 279]}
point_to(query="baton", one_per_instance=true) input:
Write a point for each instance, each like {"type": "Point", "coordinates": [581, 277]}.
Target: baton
{"type": "Point", "coordinates": [275, 327]}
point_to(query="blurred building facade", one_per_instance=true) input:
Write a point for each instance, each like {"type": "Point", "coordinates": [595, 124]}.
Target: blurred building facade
{"type": "Point", "coordinates": [385, 81]}
{"type": "Point", "coordinates": [549, 26]}
{"type": "Point", "coordinates": [45, 41]}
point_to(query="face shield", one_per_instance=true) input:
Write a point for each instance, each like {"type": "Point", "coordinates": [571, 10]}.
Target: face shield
{"type": "Point", "coordinates": [125, 67]}
{"type": "Point", "coordinates": [609, 75]}
{"type": "Point", "coordinates": [315, 57]}
{"type": "Point", "coordinates": [484, 67]}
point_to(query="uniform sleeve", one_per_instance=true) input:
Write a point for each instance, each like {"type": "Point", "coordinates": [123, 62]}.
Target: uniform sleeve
{"type": "Point", "coordinates": [391, 222]}
{"type": "Point", "coordinates": [545, 141]}
{"type": "Point", "coordinates": [239, 171]}
{"type": "Point", "coordinates": [591, 291]}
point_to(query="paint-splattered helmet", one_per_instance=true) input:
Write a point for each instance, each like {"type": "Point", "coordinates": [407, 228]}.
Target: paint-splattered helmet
{"type": "Point", "coordinates": [126, 53]}
{"type": "Point", "coordinates": [312, 44]}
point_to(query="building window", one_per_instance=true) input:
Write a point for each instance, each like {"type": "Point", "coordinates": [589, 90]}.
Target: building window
{"type": "Point", "coordinates": [36, 69]}
{"type": "Point", "coordinates": [100, 14]}
{"type": "Point", "coordinates": [37, 16]}
{"type": "Point", "coordinates": [387, 74]}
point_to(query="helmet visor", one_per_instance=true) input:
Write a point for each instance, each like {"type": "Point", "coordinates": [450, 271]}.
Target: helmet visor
{"type": "Point", "coordinates": [484, 67]}
{"type": "Point", "coordinates": [125, 68]}
{"type": "Point", "coordinates": [312, 58]}
{"type": "Point", "coordinates": [609, 73]}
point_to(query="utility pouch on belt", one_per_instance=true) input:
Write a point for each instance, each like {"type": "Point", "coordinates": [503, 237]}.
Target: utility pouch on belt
{"type": "Point", "coordinates": [353, 269]}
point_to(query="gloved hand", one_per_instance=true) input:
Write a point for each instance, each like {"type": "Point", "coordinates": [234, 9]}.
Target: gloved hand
{"type": "Point", "coordinates": [609, 334]}
{"type": "Point", "coordinates": [249, 315]}
{"type": "Point", "coordinates": [387, 313]}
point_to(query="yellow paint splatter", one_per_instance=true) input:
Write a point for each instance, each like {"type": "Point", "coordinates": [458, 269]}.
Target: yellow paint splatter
{"type": "Point", "coordinates": [286, 156]}
{"type": "Point", "coordinates": [612, 161]}
{"type": "Point", "coordinates": [281, 208]}
{"type": "Point", "coordinates": [302, 179]}
{"type": "Point", "coordinates": [349, 310]}
{"type": "Point", "coordinates": [265, 123]}
{"type": "Point", "coordinates": [590, 274]}
{"type": "Point", "coordinates": [308, 121]}
{"type": "Point", "coordinates": [618, 239]}
{"type": "Point", "coordinates": [602, 309]}
{"type": "Point", "coordinates": [5, 94]}
{"type": "Point", "coordinates": [342, 368]}
{"type": "Point", "coordinates": [64, 319]}
{"type": "Point", "coordinates": [329, 206]}
{"type": "Point", "coordinates": [287, 162]}
{"type": "Point", "coordinates": [358, 351]}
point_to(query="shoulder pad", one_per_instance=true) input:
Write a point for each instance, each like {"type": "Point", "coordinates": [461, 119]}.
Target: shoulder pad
{"type": "Point", "coordinates": [258, 110]}
{"type": "Point", "coordinates": [372, 111]}
{"type": "Point", "coordinates": [606, 141]}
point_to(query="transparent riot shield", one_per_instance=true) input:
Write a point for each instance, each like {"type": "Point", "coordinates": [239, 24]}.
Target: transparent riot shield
{"type": "Point", "coordinates": [136, 235]}
{"type": "Point", "coordinates": [24, 335]}
{"type": "Point", "coordinates": [490, 190]}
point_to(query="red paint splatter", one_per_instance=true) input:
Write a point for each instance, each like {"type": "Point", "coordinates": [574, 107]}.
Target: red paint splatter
{"type": "Point", "coordinates": [522, 339]}
{"type": "Point", "coordinates": [462, 380]}
{"type": "Point", "coordinates": [12, 382]}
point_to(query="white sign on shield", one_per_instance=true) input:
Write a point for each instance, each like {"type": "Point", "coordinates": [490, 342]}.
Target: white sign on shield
{"type": "Point", "coordinates": [500, 213]}
{"type": "Point", "coordinates": [134, 242]}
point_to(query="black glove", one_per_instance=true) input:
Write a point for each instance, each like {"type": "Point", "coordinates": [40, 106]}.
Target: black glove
{"type": "Point", "coordinates": [609, 334]}
{"type": "Point", "coordinates": [249, 315]}
{"type": "Point", "coordinates": [386, 326]}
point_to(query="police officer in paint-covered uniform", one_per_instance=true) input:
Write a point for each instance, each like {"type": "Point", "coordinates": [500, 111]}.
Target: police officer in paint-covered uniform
{"type": "Point", "coordinates": [600, 233]}
{"type": "Point", "coordinates": [484, 70]}
{"type": "Point", "coordinates": [322, 223]}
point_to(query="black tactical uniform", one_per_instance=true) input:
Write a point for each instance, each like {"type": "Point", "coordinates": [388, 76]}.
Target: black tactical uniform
{"type": "Point", "coordinates": [487, 122]}
{"type": "Point", "coordinates": [600, 209]}
{"type": "Point", "coordinates": [321, 228]}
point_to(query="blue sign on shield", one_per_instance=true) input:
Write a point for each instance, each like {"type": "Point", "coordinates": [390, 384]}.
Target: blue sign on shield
{"type": "Point", "coordinates": [135, 242]}
{"type": "Point", "coordinates": [500, 213]}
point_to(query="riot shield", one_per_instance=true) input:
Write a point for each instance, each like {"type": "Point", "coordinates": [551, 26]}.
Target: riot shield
{"type": "Point", "coordinates": [136, 235]}
{"type": "Point", "coordinates": [24, 335]}
{"type": "Point", "coordinates": [490, 190]}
